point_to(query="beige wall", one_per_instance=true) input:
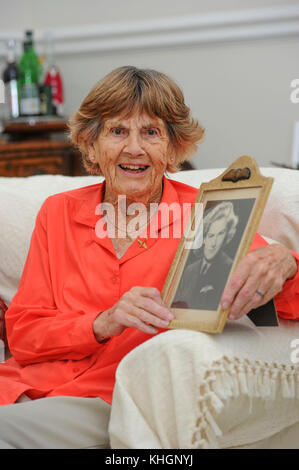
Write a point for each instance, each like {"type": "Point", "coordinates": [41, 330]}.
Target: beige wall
{"type": "Point", "coordinates": [42, 13]}
{"type": "Point", "coordinates": [238, 89]}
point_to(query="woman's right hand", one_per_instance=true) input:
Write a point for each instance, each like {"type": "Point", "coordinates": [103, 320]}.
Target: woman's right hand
{"type": "Point", "coordinates": [141, 308]}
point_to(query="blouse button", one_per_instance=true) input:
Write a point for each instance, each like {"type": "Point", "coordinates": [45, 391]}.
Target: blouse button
{"type": "Point", "coordinates": [76, 369]}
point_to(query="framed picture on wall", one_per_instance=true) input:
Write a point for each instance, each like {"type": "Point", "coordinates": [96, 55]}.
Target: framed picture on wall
{"type": "Point", "coordinates": [219, 233]}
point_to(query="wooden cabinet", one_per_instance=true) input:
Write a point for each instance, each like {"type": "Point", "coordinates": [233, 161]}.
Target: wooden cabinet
{"type": "Point", "coordinates": [33, 151]}
{"type": "Point", "coordinates": [35, 158]}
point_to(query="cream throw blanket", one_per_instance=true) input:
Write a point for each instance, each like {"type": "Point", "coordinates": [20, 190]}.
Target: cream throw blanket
{"type": "Point", "coordinates": [184, 389]}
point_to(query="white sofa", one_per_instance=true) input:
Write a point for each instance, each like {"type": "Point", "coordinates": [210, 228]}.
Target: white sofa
{"type": "Point", "coordinates": [184, 389]}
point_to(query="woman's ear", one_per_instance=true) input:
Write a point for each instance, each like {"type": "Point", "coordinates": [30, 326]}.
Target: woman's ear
{"type": "Point", "coordinates": [91, 152]}
{"type": "Point", "coordinates": [171, 163]}
{"type": "Point", "coordinates": [171, 156]}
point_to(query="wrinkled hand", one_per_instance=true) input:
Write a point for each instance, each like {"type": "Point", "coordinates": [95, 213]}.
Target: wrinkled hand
{"type": "Point", "coordinates": [140, 307]}
{"type": "Point", "coordinates": [265, 269]}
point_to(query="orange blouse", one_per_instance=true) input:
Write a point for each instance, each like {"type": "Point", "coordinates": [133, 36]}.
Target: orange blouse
{"type": "Point", "coordinates": [69, 277]}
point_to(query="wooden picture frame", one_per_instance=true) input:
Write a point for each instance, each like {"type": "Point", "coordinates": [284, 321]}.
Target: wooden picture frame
{"type": "Point", "coordinates": [219, 232]}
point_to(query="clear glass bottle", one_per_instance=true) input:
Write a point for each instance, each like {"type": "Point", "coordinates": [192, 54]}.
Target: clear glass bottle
{"type": "Point", "coordinates": [10, 78]}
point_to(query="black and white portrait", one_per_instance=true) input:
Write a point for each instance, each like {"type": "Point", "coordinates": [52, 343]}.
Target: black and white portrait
{"type": "Point", "coordinates": [207, 268]}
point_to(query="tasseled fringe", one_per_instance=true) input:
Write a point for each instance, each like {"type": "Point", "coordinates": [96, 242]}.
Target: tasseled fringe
{"type": "Point", "coordinates": [228, 378]}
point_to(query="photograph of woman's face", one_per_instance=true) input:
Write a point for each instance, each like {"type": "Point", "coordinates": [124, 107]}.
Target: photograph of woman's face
{"type": "Point", "coordinates": [214, 238]}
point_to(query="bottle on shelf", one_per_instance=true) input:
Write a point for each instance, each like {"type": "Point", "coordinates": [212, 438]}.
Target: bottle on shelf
{"type": "Point", "coordinates": [30, 73]}
{"type": "Point", "coordinates": [53, 77]}
{"type": "Point", "coordinates": [10, 78]}
{"type": "Point", "coordinates": [45, 91]}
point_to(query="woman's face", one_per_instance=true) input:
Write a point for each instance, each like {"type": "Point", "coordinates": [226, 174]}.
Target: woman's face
{"type": "Point", "coordinates": [214, 238]}
{"type": "Point", "coordinates": [133, 154]}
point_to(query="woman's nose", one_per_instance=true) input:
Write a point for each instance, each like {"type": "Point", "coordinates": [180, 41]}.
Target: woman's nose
{"type": "Point", "coordinates": [134, 145]}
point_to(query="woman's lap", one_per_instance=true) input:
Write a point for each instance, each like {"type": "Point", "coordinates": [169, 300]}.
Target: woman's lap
{"type": "Point", "coordinates": [55, 422]}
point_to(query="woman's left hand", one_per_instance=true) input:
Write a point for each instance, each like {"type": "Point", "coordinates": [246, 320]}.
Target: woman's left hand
{"type": "Point", "coordinates": [259, 276]}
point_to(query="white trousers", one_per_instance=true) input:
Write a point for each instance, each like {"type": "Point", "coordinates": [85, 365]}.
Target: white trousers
{"type": "Point", "coordinates": [55, 423]}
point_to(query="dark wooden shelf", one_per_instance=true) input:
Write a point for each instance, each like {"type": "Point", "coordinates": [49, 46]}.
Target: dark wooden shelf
{"type": "Point", "coordinates": [31, 149]}
{"type": "Point", "coordinates": [34, 128]}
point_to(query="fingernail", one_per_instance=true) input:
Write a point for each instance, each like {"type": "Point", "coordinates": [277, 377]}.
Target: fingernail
{"type": "Point", "coordinates": [153, 330]}
{"type": "Point", "coordinates": [225, 304]}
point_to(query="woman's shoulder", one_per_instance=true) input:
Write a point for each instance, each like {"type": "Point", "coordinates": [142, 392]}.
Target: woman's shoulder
{"type": "Point", "coordinates": [184, 191]}
{"type": "Point", "coordinates": [73, 197]}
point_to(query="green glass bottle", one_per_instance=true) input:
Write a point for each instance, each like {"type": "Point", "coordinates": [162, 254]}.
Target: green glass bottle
{"type": "Point", "coordinates": [29, 73]}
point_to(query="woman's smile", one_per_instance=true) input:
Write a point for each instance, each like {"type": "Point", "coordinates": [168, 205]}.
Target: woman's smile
{"type": "Point", "coordinates": [133, 169]}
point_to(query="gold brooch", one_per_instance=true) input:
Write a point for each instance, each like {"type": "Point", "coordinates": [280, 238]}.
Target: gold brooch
{"type": "Point", "coordinates": [142, 243]}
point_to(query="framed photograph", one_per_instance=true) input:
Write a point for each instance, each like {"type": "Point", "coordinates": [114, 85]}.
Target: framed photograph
{"type": "Point", "coordinates": [219, 232]}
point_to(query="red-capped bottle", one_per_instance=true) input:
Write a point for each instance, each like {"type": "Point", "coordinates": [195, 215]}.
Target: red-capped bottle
{"type": "Point", "coordinates": [53, 78]}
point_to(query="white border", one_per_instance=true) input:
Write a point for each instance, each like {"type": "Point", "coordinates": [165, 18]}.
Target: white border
{"type": "Point", "coordinates": [206, 28]}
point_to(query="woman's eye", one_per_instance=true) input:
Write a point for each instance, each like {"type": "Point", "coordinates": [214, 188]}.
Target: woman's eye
{"type": "Point", "coordinates": [152, 132]}
{"type": "Point", "coordinates": [117, 131]}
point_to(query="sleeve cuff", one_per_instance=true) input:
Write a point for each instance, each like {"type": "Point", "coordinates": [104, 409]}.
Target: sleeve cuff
{"type": "Point", "coordinates": [291, 286]}
{"type": "Point", "coordinates": [82, 334]}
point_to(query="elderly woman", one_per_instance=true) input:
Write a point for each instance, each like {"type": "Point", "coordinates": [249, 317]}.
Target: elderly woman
{"type": "Point", "coordinates": [87, 298]}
